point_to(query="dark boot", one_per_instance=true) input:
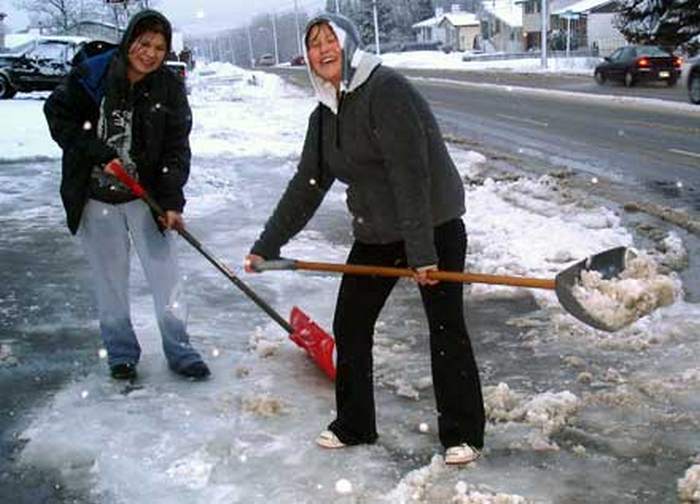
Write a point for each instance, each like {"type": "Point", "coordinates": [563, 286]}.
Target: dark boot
{"type": "Point", "coordinates": [197, 370]}
{"type": "Point", "coordinates": [125, 371]}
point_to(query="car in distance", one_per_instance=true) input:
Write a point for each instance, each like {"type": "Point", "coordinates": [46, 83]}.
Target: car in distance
{"type": "Point", "coordinates": [297, 60]}
{"type": "Point", "coordinates": [37, 65]}
{"type": "Point", "coordinates": [180, 69]}
{"type": "Point", "coordinates": [639, 63]}
{"type": "Point", "coordinates": [266, 60]}
{"type": "Point", "coordinates": [693, 82]}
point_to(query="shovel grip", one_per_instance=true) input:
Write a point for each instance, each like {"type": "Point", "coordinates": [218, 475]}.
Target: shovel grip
{"type": "Point", "coordinates": [116, 167]}
{"type": "Point", "coordinates": [274, 265]}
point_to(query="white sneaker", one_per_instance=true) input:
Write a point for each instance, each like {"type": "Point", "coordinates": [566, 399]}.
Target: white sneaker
{"type": "Point", "coordinates": [461, 454]}
{"type": "Point", "coordinates": [329, 440]}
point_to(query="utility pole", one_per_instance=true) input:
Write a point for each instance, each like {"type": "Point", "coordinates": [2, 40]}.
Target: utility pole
{"type": "Point", "coordinates": [376, 25]}
{"type": "Point", "coordinates": [296, 21]}
{"type": "Point", "coordinates": [543, 35]}
{"type": "Point", "coordinates": [232, 48]}
{"type": "Point", "coordinates": [274, 37]}
{"type": "Point", "coordinates": [337, 6]}
{"type": "Point", "coordinates": [250, 48]}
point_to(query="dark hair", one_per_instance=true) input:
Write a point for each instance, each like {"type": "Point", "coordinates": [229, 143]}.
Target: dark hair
{"type": "Point", "coordinates": [150, 24]}
{"type": "Point", "coordinates": [319, 23]}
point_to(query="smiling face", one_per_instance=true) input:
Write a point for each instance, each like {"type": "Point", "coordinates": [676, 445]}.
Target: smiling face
{"type": "Point", "coordinates": [146, 54]}
{"type": "Point", "coordinates": [325, 53]}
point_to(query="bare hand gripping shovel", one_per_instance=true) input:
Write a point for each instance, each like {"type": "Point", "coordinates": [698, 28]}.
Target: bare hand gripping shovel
{"type": "Point", "coordinates": [609, 264]}
{"type": "Point", "coordinates": [302, 330]}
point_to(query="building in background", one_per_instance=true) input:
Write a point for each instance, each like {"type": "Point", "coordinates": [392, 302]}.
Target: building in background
{"type": "Point", "coordinates": [96, 30]}
{"type": "Point", "coordinates": [501, 26]}
{"type": "Point", "coordinates": [429, 30]}
{"type": "Point", "coordinates": [462, 30]}
{"type": "Point", "coordinates": [588, 24]}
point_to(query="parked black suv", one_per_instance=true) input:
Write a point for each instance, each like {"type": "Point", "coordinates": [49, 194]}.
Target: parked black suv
{"type": "Point", "coordinates": [38, 65]}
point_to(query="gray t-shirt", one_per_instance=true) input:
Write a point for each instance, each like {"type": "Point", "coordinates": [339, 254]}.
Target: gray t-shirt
{"type": "Point", "coordinates": [115, 129]}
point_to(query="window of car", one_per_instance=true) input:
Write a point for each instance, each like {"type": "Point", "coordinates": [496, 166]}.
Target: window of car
{"type": "Point", "coordinates": [628, 53]}
{"type": "Point", "coordinates": [651, 51]}
{"type": "Point", "coordinates": [22, 48]}
{"type": "Point", "coordinates": [616, 54]}
{"type": "Point", "coordinates": [49, 50]}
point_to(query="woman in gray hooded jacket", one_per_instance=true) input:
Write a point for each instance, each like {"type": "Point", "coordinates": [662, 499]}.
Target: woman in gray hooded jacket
{"type": "Point", "coordinates": [374, 132]}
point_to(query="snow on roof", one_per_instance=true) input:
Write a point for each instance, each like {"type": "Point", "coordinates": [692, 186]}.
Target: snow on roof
{"type": "Point", "coordinates": [428, 23]}
{"type": "Point", "coordinates": [581, 6]}
{"type": "Point", "coordinates": [506, 10]}
{"type": "Point", "coordinates": [460, 19]}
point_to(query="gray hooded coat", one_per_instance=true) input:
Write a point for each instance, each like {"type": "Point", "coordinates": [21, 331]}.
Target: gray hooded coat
{"type": "Point", "coordinates": [381, 139]}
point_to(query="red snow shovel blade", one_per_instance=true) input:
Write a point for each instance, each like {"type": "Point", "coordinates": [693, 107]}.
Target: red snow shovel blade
{"type": "Point", "coordinates": [317, 342]}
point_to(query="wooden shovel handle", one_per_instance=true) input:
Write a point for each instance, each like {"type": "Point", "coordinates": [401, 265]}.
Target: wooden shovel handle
{"type": "Point", "coordinates": [448, 276]}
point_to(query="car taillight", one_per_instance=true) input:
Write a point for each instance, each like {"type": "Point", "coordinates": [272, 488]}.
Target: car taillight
{"type": "Point", "coordinates": [677, 61]}
{"type": "Point", "coordinates": [643, 62]}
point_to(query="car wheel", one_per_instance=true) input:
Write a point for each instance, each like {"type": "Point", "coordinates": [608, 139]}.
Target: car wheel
{"type": "Point", "coordinates": [629, 79]}
{"type": "Point", "coordinates": [694, 88]}
{"type": "Point", "coordinates": [599, 77]}
{"type": "Point", "coordinates": [6, 89]}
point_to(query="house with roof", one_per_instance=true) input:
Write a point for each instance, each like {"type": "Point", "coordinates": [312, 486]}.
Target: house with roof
{"type": "Point", "coordinates": [587, 24]}
{"type": "Point", "coordinates": [501, 25]}
{"type": "Point", "coordinates": [98, 30]}
{"type": "Point", "coordinates": [429, 30]}
{"type": "Point", "coordinates": [462, 30]}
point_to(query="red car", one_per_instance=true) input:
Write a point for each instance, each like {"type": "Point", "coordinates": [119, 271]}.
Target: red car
{"type": "Point", "coordinates": [642, 63]}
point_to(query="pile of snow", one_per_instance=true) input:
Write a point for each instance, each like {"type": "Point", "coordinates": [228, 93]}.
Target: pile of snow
{"type": "Point", "coordinates": [239, 113]}
{"type": "Point", "coordinates": [7, 359]}
{"type": "Point", "coordinates": [689, 486]}
{"type": "Point", "coordinates": [454, 61]}
{"type": "Point", "coordinates": [637, 291]}
{"type": "Point", "coordinates": [548, 411]}
{"type": "Point", "coordinates": [427, 484]}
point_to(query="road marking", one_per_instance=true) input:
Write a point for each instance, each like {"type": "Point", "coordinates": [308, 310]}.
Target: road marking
{"type": "Point", "coordinates": [676, 129]}
{"type": "Point", "coordinates": [685, 153]}
{"type": "Point", "coordinates": [525, 120]}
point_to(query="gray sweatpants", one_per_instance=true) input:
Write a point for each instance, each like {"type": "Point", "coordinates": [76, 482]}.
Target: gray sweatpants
{"type": "Point", "coordinates": [107, 232]}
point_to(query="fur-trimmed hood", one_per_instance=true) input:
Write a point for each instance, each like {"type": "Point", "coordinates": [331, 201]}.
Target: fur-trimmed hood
{"type": "Point", "coordinates": [357, 64]}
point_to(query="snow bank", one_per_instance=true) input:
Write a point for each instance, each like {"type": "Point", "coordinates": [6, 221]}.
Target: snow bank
{"type": "Point", "coordinates": [453, 61]}
{"type": "Point", "coordinates": [689, 486]}
{"type": "Point", "coordinates": [549, 412]}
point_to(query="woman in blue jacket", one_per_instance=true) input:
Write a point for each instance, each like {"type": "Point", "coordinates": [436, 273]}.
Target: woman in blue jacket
{"type": "Point", "coordinates": [121, 104]}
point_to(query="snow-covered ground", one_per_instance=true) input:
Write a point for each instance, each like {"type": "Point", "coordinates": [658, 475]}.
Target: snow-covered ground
{"type": "Point", "coordinates": [575, 414]}
{"type": "Point", "coordinates": [454, 61]}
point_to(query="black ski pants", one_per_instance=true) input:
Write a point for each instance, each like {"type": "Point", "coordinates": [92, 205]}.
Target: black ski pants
{"type": "Point", "coordinates": [455, 375]}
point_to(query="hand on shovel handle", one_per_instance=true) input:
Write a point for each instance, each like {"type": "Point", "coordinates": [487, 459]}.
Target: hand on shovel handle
{"type": "Point", "coordinates": [114, 167]}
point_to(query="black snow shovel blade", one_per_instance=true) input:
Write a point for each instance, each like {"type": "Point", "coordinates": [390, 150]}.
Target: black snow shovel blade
{"type": "Point", "coordinates": [609, 264]}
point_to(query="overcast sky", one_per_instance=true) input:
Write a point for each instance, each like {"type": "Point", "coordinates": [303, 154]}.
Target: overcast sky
{"type": "Point", "coordinates": [195, 16]}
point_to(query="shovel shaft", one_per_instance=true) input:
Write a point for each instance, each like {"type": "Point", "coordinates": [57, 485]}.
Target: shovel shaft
{"type": "Point", "coordinates": [446, 276]}
{"type": "Point", "coordinates": [139, 191]}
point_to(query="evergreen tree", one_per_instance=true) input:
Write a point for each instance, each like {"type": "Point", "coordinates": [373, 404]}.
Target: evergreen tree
{"type": "Point", "coordinates": [668, 23]}
{"type": "Point", "coordinates": [364, 17]}
{"type": "Point", "coordinates": [423, 10]}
